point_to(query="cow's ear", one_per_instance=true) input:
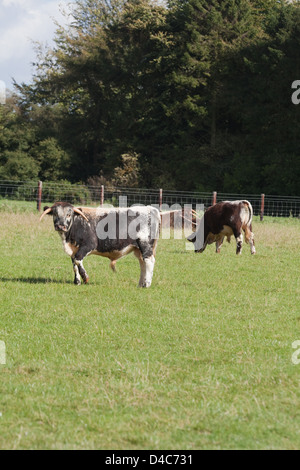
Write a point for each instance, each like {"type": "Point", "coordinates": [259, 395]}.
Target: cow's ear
{"type": "Point", "coordinates": [47, 210]}
{"type": "Point", "coordinates": [192, 237]}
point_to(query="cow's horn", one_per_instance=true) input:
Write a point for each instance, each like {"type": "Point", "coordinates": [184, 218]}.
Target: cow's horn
{"type": "Point", "coordinates": [78, 211]}
{"type": "Point", "coordinates": [49, 209]}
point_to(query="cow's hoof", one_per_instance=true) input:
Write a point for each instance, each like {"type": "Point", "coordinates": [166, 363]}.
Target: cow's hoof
{"type": "Point", "coordinates": [86, 280]}
{"type": "Point", "coordinates": [77, 282]}
{"type": "Point", "coordinates": [145, 285]}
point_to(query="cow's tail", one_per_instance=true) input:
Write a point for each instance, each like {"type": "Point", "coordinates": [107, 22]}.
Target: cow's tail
{"type": "Point", "coordinates": [248, 225]}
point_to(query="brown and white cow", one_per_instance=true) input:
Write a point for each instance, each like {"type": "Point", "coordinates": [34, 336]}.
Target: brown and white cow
{"type": "Point", "coordinates": [224, 219]}
{"type": "Point", "coordinates": [112, 233]}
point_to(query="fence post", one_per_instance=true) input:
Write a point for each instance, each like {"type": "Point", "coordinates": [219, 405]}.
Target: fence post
{"type": "Point", "coordinates": [262, 207]}
{"type": "Point", "coordinates": [39, 196]}
{"type": "Point", "coordinates": [102, 195]}
{"type": "Point", "coordinates": [160, 198]}
{"type": "Point", "coordinates": [214, 198]}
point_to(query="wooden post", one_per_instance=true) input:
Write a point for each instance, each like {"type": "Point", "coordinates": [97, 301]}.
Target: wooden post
{"type": "Point", "coordinates": [214, 198]}
{"type": "Point", "coordinates": [262, 207]}
{"type": "Point", "coordinates": [160, 199]}
{"type": "Point", "coordinates": [39, 196]}
{"type": "Point", "coordinates": [102, 195]}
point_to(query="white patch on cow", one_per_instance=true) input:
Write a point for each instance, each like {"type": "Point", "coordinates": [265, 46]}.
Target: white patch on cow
{"type": "Point", "coordinates": [147, 267]}
{"type": "Point", "coordinates": [69, 249]}
{"type": "Point", "coordinates": [235, 203]}
{"type": "Point", "coordinates": [138, 227]}
{"type": "Point", "coordinates": [60, 211]}
{"type": "Point", "coordinates": [244, 215]}
{"type": "Point", "coordinates": [144, 233]}
{"type": "Point", "coordinates": [79, 263]}
{"type": "Point", "coordinates": [245, 211]}
{"type": "Point", "coordinates": [77, 275]}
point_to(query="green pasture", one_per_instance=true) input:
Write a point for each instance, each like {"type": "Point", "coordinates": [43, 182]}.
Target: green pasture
{"type": "Point", "coordinates": [201, 360]}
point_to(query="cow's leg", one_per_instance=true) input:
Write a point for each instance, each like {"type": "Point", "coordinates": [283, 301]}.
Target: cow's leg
{"type": "Point", "coordinates": [142, 280]}
{"type": "Point", "coordinates": [239, 237]}
{"type": "Point", "coordinates": [239, 242]}
{"type": "Point", "coordinates": [249, 237]}
{"type": "Point", "coordinates": [78, 261]}
{"type": "Point", "coordinates": [219, 243]}
{"type": "Point", "coordinates": [252, 244]}
{"type": "Point", "coordinates": [82, 271]}
{"type": "Point", "coordinates": [77, 280]}
{"type": "Point", "coordinates": [251, 241]}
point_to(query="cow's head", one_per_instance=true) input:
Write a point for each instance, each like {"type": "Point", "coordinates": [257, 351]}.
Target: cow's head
{"type": "Point", "coordinates": [63, 215]}
{"type": "Point", "coordinates": [198, 237]}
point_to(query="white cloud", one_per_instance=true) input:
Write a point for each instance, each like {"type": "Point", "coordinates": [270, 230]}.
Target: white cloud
{"type": "Point", "coordinates": [8, 3]}
{"type": "Point", "coordinates": [21, 22]}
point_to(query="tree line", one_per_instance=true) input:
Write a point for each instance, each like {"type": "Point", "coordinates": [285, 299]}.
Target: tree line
{"type": "Point", "coordinates": [181, 94]}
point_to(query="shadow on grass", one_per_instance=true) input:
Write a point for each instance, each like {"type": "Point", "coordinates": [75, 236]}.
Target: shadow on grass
{"type": "Point", "coordinates": [34, 280]}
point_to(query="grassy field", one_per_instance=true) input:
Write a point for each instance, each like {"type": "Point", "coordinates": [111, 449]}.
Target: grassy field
{"type": "Point", "coordinates": [201, 360]}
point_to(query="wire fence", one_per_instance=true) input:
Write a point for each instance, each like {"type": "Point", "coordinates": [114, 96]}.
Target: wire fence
{"type": "Point", "coordinates": [47, 192]}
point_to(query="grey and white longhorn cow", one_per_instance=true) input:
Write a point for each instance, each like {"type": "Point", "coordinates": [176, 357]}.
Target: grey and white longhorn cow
{"type": "Point", "coordinates": [112, 233]}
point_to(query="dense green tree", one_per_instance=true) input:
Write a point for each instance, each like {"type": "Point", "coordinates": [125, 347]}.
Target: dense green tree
{"type": "Point", "coordinates": [27, 149]}
{"type": "Point", "coordinates": [200, 90]}
{"type": "Point", "coordinates": [211, 32]}
{"type": "Point", "coordinates": [264, 122]}
{"type": "Point", "coordinates": [102, 78]}
{"type": "Point", "coordinates": [16, 141]}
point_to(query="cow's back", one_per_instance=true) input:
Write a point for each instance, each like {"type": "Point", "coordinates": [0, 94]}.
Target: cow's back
{"type": "Point", "coordinates": [115, 229]}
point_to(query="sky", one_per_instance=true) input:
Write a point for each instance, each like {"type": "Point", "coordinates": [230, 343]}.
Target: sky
{"type": "Point", "coordinates": [21, 23]}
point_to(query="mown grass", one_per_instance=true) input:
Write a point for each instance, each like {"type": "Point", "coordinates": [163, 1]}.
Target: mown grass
{"type": "Point", "coordinates": [201, 360]}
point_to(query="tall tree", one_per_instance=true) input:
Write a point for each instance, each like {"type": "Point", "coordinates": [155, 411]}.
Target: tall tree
{"type": "Point", "coordinates": [199, 89]}
{"type": "Point", "coordinates": [209, 32]}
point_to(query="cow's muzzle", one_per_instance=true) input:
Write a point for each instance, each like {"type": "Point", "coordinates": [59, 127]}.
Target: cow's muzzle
{"type": "Point", "coordinates": [61, 228]}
